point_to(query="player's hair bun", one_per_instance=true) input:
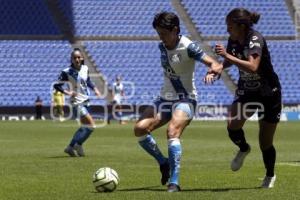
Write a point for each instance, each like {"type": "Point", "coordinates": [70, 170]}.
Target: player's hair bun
{"type": "Point", "coordinates": [254, 16]}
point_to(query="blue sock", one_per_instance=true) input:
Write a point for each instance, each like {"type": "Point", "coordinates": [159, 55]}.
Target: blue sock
{"type": "Point", "coordinates": [175, 152]}
{"type": "Point", "coordinates": [76, 137]}
{"type": "Point", "coordinates": [80, 136]}
{"type": "Point", "coordinates": [148, 143]}
{"type": "Point", "coordinates": [85, 134]}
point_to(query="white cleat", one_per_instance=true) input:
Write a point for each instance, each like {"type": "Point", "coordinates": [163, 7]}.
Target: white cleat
{"type": "Point", "coordinates": [78, 148]}
{"type": "Point", "coordinates": [268, 182]}
{"type": "Point", "coordinates": [70, 150]}
{"type": "Point", "coordinates": [237, 162]}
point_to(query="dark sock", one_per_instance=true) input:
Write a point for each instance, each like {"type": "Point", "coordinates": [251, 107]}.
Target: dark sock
{"type": "Point", "coordinates": [238, 138]}
{"type": "Point", "coordinates": [269, 157]}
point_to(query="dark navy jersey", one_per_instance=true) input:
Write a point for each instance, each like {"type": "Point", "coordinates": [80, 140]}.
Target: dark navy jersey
{"type": "Point", "coordinates": [265, 79]}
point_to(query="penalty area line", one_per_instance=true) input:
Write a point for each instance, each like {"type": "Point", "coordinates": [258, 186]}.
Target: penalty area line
{"type": "Point", "coordinates": [294, 164]}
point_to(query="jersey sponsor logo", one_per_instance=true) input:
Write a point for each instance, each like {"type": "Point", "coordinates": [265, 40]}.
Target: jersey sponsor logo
{"type": "Point", "coordinates": [254, 44]}
{"type": "Point", "coordinates": [169, 73]}
{"type": "Point", "coordinates": [175, 58]}
{"type": "Point", "coordinates": [238, 93]}
{"type": "Point", "coordinates": [233, 52]}
{"type": "Point", "coordinates": [252, 85]}
{"type": "Point", "coordinates": [254, 37]}
{"type": "Point", "coordinates": [246, 76]}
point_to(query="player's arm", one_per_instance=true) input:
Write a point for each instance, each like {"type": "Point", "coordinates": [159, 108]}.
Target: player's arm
{"type": "Point", "coordinates": [195, 52]}
{"type": "Point", "coordinates": [59, 86]}
{"type": "Point", "coordinates": [91, 85]}
{"type": "Point", "coordinates": [250, 65]}
{"type": "Point", "coordinates": [254, 55]}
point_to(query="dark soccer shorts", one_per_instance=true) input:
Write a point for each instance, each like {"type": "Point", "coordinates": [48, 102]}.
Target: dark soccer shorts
{"type": "Point", "coordinates": [269, 107]}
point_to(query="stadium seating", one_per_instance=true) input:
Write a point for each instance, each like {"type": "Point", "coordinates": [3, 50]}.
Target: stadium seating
{"type": "Point", "coordinates": [209, 16]}
{"type": "Point", "coordinates": [30, 17]}
{"type": "Point", "coordinates": [28, 69]}
{"type": "Point", "coordinates": [114, 18]}
{"type": "Point", "coordinates": [287, 68]}
{"type": "Point", "coordinates": [138, 62]}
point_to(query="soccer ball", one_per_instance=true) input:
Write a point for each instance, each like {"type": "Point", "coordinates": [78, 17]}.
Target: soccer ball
{"type": "Point", "coordinates": [105, 179]}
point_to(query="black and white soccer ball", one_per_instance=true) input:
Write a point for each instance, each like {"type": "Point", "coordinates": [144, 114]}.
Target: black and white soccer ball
{"type": "Point", "coordinates": [105, 179]}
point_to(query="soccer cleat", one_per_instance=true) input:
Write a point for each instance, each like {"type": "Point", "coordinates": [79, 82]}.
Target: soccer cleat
{"type": "Point", "coordinates": [268, 182]}
{"type": "Point", "coordinates": [165, 173]}
{"type": "Point", "coordinates": [79, 150]}
{"type": "Point", "coordinates": [172, 187]}
{"type": "Point", "coordinates": [237, 162]}
{"type": "Point", "coordinates": [70, 150]}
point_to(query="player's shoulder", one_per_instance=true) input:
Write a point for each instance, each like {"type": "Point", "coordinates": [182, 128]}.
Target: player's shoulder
{"type": "Point", "coordinates": [255, 35]}
{"type": "Point", "coordinates": [84, 67]}
{"type": "Point", "coordinates": [185, 41]}
{"type": "Point", "coordinates": [66, 70]}
{"type": "Point", "coordinates": [161, 46]}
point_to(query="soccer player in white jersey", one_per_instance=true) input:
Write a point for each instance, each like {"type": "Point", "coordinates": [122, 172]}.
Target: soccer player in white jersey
{"type": "Point", "coordinates": [178, 96]}
{"type": "Point", "coordinates": [77, 76]}
{"type": "Point", "coordinates": [118, 94]}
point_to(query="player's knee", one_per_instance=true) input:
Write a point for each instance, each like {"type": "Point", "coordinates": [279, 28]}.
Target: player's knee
{"type": "Point", "coordinates": [234, 125]}
{"type": "Point", "coordinates": [140, 130]}
{"type": "Point", "coordinates": [265, 145]}
{"type": "Point", "coordinates": [173, 131]}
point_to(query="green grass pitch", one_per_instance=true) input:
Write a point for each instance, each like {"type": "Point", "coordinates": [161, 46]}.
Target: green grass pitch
{"type": "Point", "coordinates": [34, 167]}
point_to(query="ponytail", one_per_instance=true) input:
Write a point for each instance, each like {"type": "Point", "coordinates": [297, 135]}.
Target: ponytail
{"type": "Point", "coordinates": [254, 16]}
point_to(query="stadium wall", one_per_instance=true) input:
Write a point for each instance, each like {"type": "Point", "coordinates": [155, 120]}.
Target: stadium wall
{"type": "Point", "coordinates": [131, 112]}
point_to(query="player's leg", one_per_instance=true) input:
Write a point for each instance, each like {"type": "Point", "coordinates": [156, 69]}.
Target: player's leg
{"type": "Point", "coordinates": [238, 115]}
{"type": "Point", "coordinates": [267, 128]}
{"type": "Point", "coordinates": [148, 122]}
{"type": "Point", "coordinates": [266, 135]}
{"type": "Point", "coordinates": [120, 113]}
{"type": "Point", "coordinates": [61, 112]}
{"type": "Point", "coordinates": [181, 117]}
{"type": "Point", "coordinates": [118, 108]}
{"type": "Point", "coordinates": [82, 134]}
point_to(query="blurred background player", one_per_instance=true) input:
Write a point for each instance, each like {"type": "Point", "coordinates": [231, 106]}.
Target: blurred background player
{"type": "Point", "coordinates": [258, 84]}
{"type": "Point", "coordinates": [77, 75]}
{"type": "Point", "coordinates": [58, 102]}
{"type": "Point", "coordinates": [109, 103]}
{"type": "Point", "coordinates": [118, 95]}
{"type": "Point", "coordinates": [38, 108]}
{"type": "Point", "coordinates": [177, 100]}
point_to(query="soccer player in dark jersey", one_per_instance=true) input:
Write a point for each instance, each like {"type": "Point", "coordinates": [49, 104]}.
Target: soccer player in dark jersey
{"type": "Point", "coordinates": [178, 96]}
{"type": "Point", "coordinates": [258, 88]}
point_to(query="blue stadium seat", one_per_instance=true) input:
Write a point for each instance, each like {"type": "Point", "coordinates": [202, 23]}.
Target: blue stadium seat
{"type": "Point", "coordinates": [209, 16]}
{"type": "Point", "coordinates": [106, 18]}
{"type": "Point", "coordinates": [29, 69]}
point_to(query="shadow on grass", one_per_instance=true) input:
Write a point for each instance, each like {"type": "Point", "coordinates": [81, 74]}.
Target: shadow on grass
{"type": "Point", "coordinates": [157, 189]}
{"type": "Point", "coordinates": [66, 156]}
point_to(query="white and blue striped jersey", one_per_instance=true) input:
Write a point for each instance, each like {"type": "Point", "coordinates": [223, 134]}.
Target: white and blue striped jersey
{"type": "Point", "coordinates": [79, 81]}
{"type": "Point", "coordinates": [179, 67]}
{"type": "Point", "coordinates": [118, 92]}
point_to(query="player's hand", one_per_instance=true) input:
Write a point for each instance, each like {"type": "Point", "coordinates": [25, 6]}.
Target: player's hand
{"type": "Point", "coordinates": [220, 50]}
{"type": "Point", "coordinates": [216, 68]}
{"type": "Point", "coordinates": [70, 93]}
{"type": "Point", "coordinates": [210, 78]}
